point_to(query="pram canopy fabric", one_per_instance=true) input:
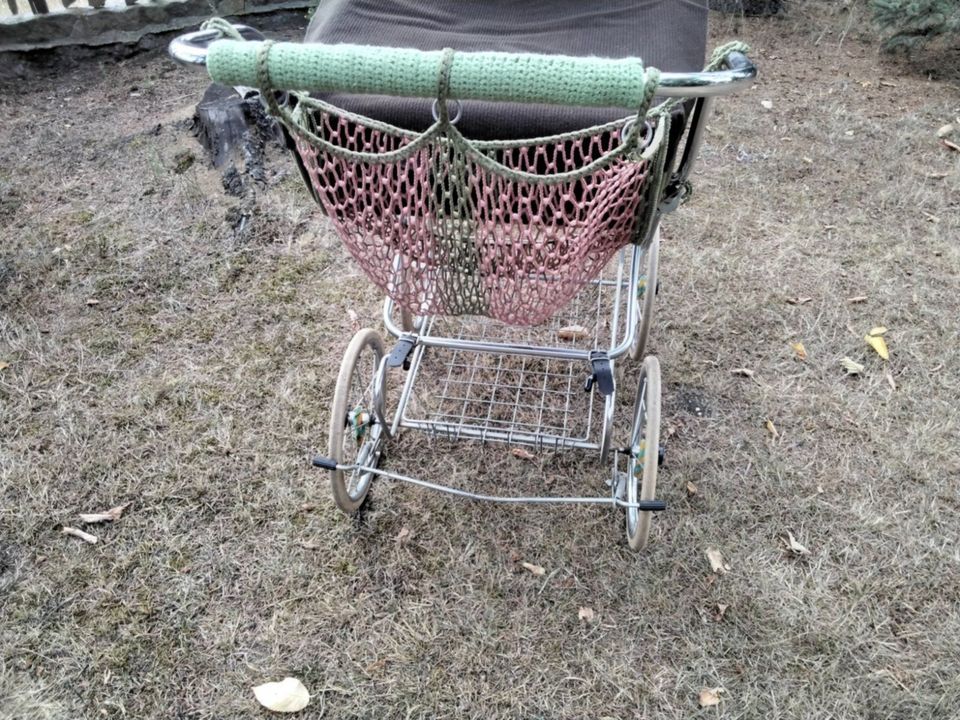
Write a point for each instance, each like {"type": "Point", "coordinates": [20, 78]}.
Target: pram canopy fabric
{"type": "Point", "coordinates": [668, 34]}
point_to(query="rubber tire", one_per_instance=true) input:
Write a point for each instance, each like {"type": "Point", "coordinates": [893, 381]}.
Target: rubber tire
{"type": "Point", "coordinates": [638, 535]}
{"type": "Point", "coordinates": [341, 397]}
{"type": "Point", "coordinates": [645, 322]}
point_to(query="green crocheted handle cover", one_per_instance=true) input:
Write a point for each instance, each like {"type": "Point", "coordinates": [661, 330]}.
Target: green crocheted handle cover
{"type": "Point", "coordinates": [551, 79]}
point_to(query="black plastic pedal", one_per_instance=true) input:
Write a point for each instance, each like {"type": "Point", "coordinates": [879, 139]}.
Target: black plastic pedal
{"type": "Point", "coordinates": [324, 462]}
{"type": "Point", "coordinates": [651, 506]}
{"type": "Point", "coordinates": [400, 355]}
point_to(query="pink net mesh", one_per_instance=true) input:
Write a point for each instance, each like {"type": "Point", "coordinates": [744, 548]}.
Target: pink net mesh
{"type": "Point", "coordinates": [442, 232]}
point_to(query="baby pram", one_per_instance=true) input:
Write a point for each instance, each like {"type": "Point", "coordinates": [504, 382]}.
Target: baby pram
{"type": "Point", "coordinates": [499, 170]}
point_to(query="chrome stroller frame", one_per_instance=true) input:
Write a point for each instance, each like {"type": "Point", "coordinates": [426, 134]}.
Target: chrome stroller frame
{"type": "Point", "coordinates": [534, 398]}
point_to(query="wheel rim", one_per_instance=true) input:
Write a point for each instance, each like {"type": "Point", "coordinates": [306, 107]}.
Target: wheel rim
{"type": "Point", "coordinates": [356, 435]}
{"type": "Point", "coordinates": [363, 447]}
{"type": "Point", "coordinates": [645, 303]}
{"type": "Point", "coordinates": [641, 481]}
{"type": "Point", "coordinates": [637, 462]}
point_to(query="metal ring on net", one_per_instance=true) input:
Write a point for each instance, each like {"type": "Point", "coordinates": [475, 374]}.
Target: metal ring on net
{"type": "Point", "coordinates": [435, 111]}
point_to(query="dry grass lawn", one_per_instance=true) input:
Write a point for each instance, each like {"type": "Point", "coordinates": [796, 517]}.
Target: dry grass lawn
{"type": "Point", "coordinates": [153, 355]}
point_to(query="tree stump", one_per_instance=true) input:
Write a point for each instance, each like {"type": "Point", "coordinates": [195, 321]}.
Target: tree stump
{"type": "Point", "coordinates": [234, 132]}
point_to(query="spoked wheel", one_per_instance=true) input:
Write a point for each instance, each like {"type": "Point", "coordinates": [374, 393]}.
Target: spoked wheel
{"type": "Point", "coordinates": [356, 436]}
{"type": "Point", "coordinates": [645, 447]}
{"type": "Point", "coordinates": [646, 299]}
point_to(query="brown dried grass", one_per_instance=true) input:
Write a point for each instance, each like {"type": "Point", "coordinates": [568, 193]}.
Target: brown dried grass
{"type": "Point", "coordinates": [199, 385]}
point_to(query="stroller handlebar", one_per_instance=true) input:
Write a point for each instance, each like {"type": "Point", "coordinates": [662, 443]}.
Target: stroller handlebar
{"type": "Point", "coordinates": [495, 76]}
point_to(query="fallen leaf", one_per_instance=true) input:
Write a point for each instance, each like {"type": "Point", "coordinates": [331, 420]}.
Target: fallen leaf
{"type": "Point", "coordinates": [376, 666]}
{"type": "Point", "coordinates": [534, 569]}
{"type": "Point", "coordinates": [891, 381]}
{"type": "Point", "coordinates": [4, 365]}
{"type": "Point", "coordinates": [800, 350]}
{"type": "Point", "coordinates": [573, 332]}
{"type": "Point", "coordinates": [744, 372]}
{"type": "Point", "coordinates": [945, 131]}
{"type": "Point", "coordinates": [287, 696]}
{"type": "Point", "coordinates": [711, 696]}
{"type": "Point", "coordinates": [772, 429]}
{"type": "Point", "coordinates": [950, 145]}
{"type": "Point", "coordinates": [799, 300]}
{"type": "Point", "coordinates": [108, 516]}
{"type": "Point", "coordinates": [795, 546]}
{"type": "Point", "coordinates": [766, 104]}
{"type": "Point", "coordinates": [878, 344]}
{"type": "Point", "coordinates": [403, 535]}
{"type": "Point", "coordinates": [93, 301]}
{"type": "Point", "coordinates": [586, 614]}
{"type": "Point", "coordinates": [851, 366]}
{"type": "Point", "coordinates": [522, 453]}
{"type": "Point", "coordinates": [691, 489]}
{"type": "Point", "coordinates": [85, 536]}
{"type": "Point", "coordinates": [857, 299]}
{"type": "Point", "coordinates": [717, 563]}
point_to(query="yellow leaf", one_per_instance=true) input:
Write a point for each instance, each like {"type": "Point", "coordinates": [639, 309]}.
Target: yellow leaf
{"type": "Point", "coordinates": [795, 546]}
{"type": "Point", "coordinates": [711, 696]}
{"type": "Point", "coordinates": [800, 350]}
{"type": "Point", "coordinates": [287, 696]}
{"type": "Point", "coordinates": [772, 429]}
{"type": "Point", "coordinates": [851, 366]}
{"type": "Point", "coordinates": [586, 614]}
{"type": "Point", "coordinates": [880, 330]}
{"type": "Point", "coordinates": [878, 344]}
{"type": "Point", "coordinates": [534, 569]}
{"type": "Point", "coordinates": [717, 563]}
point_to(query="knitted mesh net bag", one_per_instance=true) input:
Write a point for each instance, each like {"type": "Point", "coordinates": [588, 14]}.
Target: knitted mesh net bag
{"type": "Point", "coordinates": [444, 225]}
{"type": "Point", "coordinates": [508, 230]}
